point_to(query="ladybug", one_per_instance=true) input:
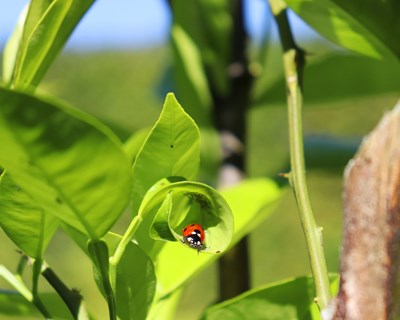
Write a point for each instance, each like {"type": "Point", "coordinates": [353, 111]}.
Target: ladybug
{"type": "Point", "coordinates": [194, 236]}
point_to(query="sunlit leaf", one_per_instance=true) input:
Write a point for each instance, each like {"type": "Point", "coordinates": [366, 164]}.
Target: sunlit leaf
{"type": "Point", "coordinates": [212, 43]}
{"type": "Point", "coordinates": [345, 77]}
{"type": "Point", "coordinates": [190, 75]}
{"type": "Point", "coordinates": [289, 299]}
{"type": "Point", "coordinates": [47, 28]}
{"type": "Point", "coordinates": [164, 309]}
{"type": "Point", "coordinates": [70, 164]}
{"type": "Point", "coordinates": [368, 27]}
{"type": "Point", "coordinates": [14, 305]}
{"type": "Point", "coordinates": [135, 282]}
{"type": "Point", "coordinates": [133, 144]}
{"type": "Point", "coordinates": [25, 223]}
{"type": "Point", "coordinates": [171, 149]}
{"type": "Point", "coordinates": [11, 49]}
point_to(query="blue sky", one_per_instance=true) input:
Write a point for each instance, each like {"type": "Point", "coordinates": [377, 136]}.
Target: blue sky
{"type": "Point", "coordinates": [124, 24]}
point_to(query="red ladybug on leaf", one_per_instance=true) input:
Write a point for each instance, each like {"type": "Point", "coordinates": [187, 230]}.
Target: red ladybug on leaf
{"type": "Point", "coordinates": [194, 236]}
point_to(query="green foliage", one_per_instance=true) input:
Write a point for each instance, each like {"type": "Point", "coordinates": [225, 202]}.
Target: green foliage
{"type": "Point", "coordinates": [61, 168]}
{"type": "Point", "coordinates": [27, 224]}
{"type": "Point", "coordinates": [70, 164]}
{"type": "Point", "coordinates": [367, 27]}
{"type": "Point", "coordinates": [135, 280]}
{"type": "Point", "coordinates": [289, 299]}
{"type": "Point", "coordinates": [352, 78]}
{"type": "Point", "coordinates": [48, 25]}
{"type": "Point", "coordinates": [171, 149]}
{"type": "Point", "coordinates": [12, 304]}
{"type": "Point", "coordinates": [207, 208]}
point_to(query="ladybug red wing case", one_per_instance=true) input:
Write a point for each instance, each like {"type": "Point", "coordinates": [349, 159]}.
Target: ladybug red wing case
{"type": "Point", "coordinates": [194, 236]}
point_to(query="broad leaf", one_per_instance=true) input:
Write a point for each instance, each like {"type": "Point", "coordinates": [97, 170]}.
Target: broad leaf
{"type": "Point", "coordinates": [98, 253]}
{"type": "Point", "coordinates": [164, 309]}
{"type": "Point", "coordinates": [135, 280]}
{"type": "Point", "coordinates": [248, 201]}
{"type": "Point", "coordinates": [212, 42]}
{"type": "Point", "coordinates": [15, 305]}
{"type": "Point", "coordinates": [136, 284]}
{"type": "Point", "coordinates": [133, 144]}
{"type": "Point", "coordinates": [190, 76]}
{"type": "Point", "coordinates": [368, 27]}
{"type": "Point", "coordinates": [171, 149]}
{"type": "Point", "coordinates": [48, 25]}
{"type": "Point", "coordinates": [345, 77]}
{"type": "Point", "coordinates": [70, 164]}
{"type": "Point", "coordinates": [25, 223]}
{"type": "Point", "coordinates": [290, 299]}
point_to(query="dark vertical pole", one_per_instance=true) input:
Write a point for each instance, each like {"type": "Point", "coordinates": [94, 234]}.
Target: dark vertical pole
{"type": "Point", "coordinates": [230, 120]}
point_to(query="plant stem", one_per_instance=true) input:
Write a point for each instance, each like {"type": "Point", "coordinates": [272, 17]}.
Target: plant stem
{"type": "Point", "coordinates": [37, 265]}
{"type": "Point", "coordinates": [294, 64]}
{"type": "Point", "coordinates": [116, 258]}
{"type": "Point", "coordinates": [71, 297]}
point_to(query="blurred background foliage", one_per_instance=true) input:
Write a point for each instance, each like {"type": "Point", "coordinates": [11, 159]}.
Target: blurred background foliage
{"type": "Point", "coordinates": [339, 111]}
{"type": "Point", "coordinates": [345, 96]}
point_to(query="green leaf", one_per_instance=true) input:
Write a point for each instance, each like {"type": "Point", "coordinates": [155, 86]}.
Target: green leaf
{"type": "Point", "coordinates": [190, 75]}
{"type": "Point", "coordinates": [164, 309]}
{"type": "Point", "coordinates": [11, 49]}
{"type": "Point", "coordinates": [70, 164]}
{"type": "Point", "coordinates": [212, 42]}
{"type": "Point", "coordinates": [48, 25]}
{"type": "Point", "coordinates": [251, 201]}
{"type": "Point", "coordinates": [98, 253]}
{"type": "Point", "coordinates": [14, 304]}
{"type": "Point", "coordinates": [135, 280]}
{"type": "Point", "coordinates": [171, 149]}
{"type": "Point", "coordinates": [211, 211]}
{"type": "Point", "coordinates": [160, 229]}
{"type": "Point", "coordinates": [367, 27]}
{"type": "Point", "coordinates": [352, 77]}
{"type": "Point", "coordinates": [136, 283]}
{"type": "Point", "coordinates": [289, 299]}
{"type": "Point", "coordinates": [133, 144]}
{"type": "Point", "coordinates": [25, 223]}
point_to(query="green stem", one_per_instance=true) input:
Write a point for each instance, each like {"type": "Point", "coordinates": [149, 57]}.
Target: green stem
{"type": "Point", "coordinates": [294, 64]}
{"type": "Point", "coordinates": [126, 238]}
{"type": "Point", "coordinates": [98, 251]}
{"type": "Point", "coordinates": [37, 265]}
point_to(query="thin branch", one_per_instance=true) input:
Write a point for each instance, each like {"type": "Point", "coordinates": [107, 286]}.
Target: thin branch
{"type": "Point", "coordinates": [294, 62]}
{"type": "Point", "coordinates": [72, 298]}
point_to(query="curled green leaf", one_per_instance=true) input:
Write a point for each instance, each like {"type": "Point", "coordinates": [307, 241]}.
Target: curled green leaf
{"type": "Point", "coordinates": [196, 203]}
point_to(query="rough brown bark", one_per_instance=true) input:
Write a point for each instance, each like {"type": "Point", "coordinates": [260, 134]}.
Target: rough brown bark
{"type": "Point", "coordinates": [370, 280]}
